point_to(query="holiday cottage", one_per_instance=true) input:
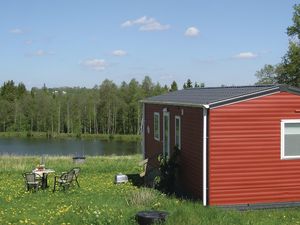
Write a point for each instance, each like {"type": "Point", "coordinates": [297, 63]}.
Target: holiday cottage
{"type": "Point", "coordinates": [239, 146]}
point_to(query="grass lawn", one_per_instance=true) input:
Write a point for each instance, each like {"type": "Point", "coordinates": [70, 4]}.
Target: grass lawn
{"type": "Point", "coordinates": [100, 201]}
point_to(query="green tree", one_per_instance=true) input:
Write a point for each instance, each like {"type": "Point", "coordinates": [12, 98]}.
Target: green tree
{"type": "Point", "coordinates": [4, 114]}
{"type": "Point", "coordinates": [9, 91]}
{"type": "Point", "coordinates": [158, 89]}
{"type": "Point", "coordinates": [147, 86]}
{"type": "Point", "coordinates": [135, 95]}
{"type": "Point", "coordinates": [266, 75]}
{"type": "Point", "coordinates": [200, 85]}
{"type": "Point", "coordinates": [294, 30]}
{"type": "Point", "coordinates": [288, 71]}
{"type": "Point", "coordinates": [174, 86]}
{"type": "Point", "coordinates": [108, 106]}
{"type": "Point", "coordinates": [123, 113]}
{"type": "Point", "coordinates": [21, 90]}
{"type": "Point", "coordinates": [188, 84]}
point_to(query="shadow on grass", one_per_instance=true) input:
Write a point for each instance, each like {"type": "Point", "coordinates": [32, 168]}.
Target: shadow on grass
{"type": "Point", "coordinates": [136, 179]}
{"type": "Point", "coordinates": [179, 193]}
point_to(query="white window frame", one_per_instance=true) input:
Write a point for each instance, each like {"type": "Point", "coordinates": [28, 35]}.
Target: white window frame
{"type": "Point", "coordinates": [282, 139]}
{"type": "Point", "coordinates": [158, 131]}
{"type": "Point", "coordinates": [179, 135]}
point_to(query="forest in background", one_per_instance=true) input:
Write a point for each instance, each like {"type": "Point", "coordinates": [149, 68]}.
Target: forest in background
{"type": "Point", "coordinates": [104, 109]}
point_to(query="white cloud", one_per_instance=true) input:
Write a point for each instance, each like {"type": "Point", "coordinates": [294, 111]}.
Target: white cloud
{"type": "Point", "coordinates": [140, 21]}
{"type": "Point", "coordinates": [245, 55]}
{"type": "Point", "coordinates": [119, 52]}
{"type": "Point", "coordinates": [127, 23]}
{"type": "Point", "coordinates": [17, 31]}
{"type": "Point", "coordinates": [146, 24]}
{"type": "Point", "coordinates": [154, 26]}
{"type": "Point", "coordinates": [94, 64]}
{"type": "Point", "coordinates": [28, 42]}
{"type": "Point", "coordinates": [41, 52]}
{"type": "Point", "coordinates": [191, 32]}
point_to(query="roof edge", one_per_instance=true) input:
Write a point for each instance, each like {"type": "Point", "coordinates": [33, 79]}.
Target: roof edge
{"type": "Point", "coordinates": [272, 90]}
{"type": "Point", "coordinates": [290, 89]}
{"type": "Point", "coordinates": [175, 103]}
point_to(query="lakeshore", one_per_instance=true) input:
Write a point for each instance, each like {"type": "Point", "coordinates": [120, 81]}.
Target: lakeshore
{"type": "Point", "coordinates": [107, 137]}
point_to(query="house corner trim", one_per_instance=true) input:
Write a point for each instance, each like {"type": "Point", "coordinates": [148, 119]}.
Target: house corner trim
{"type": "Point", "coordinates": [204, 184]}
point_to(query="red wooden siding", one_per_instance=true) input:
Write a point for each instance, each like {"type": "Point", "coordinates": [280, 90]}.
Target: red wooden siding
{"type": "Point", "coordinates": [244, 152]}
{"type": "Point", "coordinates": [152, 147]}
{"type": "Point", "coordinates": [191, 143]}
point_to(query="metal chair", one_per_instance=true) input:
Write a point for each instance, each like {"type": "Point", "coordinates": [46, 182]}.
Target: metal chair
{"type": "Point", "coordinates": [144, 164]}
{"type": "Point", "coordinates": [64, 180]}
{"type": "Point", "coordinates": [67, 178]}
{"type": "Point", "coordinates": [32, 181]}
{"type": "Point", "coordinates": [76, 175]}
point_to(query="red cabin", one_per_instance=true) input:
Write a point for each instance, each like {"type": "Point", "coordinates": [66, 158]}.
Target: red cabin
{"type": "Point", "coordinates": [240, 146]}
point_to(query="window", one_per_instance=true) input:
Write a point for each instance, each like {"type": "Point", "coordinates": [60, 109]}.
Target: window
{"type": "Point", "coordinates": [290, 139]}
{"type": "Point", "coordinates": [156, 126]}
{"type": "Point", "coordinates": [178, 132]}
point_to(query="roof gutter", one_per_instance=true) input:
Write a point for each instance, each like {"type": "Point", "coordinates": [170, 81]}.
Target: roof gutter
{"type": "Point", "coordinates": [244, 97]}
{"type": "Point", "coordinates": [176, 103]}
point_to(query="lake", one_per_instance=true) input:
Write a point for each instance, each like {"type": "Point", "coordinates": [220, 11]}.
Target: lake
{"type": "Point", "coordinates": [91, 147]}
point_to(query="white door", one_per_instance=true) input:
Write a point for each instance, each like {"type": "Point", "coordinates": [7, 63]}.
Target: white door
{"type": "Point", "coordinates": [166, 133]}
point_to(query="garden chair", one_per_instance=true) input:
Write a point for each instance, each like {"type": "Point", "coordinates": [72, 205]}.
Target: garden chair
{"type": "Point", "coordinates": [64, 180]}
{"type": "Point", "coordinates": [32, 181]}
{"type": "Point", "coordinates": [148, 174]}
{"type": "Point", "coordinates": [144, 164]}
{"type": "Point", "coordinates": [76, 175]}
{"type": "Point", "coordinates": [138, 179]}
{"type": "Point", "coordinates": [67, 178]}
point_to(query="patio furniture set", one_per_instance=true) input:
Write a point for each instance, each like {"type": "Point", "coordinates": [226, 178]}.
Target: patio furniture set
{"type": "Point", "coordinates": [38, 178]}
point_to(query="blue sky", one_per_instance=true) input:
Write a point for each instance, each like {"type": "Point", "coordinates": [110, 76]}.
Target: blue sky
{"type": "Point", "coordinates": [81, 43]}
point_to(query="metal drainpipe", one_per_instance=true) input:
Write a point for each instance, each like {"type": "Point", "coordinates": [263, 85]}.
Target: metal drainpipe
{"type": "Point", "coordinates": [204, 194]}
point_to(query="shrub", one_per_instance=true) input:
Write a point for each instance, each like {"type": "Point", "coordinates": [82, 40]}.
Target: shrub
{"type": "Point", "coordinates": [167, 180]}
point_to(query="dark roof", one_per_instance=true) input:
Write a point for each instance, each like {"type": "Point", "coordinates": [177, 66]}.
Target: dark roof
{"type": "Point", "coordinates": [216, 96]}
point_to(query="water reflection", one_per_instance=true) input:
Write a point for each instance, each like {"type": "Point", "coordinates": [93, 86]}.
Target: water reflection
{"type": "Point", "coordinates": [92, 147]}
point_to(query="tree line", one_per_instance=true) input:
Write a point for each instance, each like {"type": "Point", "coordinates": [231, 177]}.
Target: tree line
{"type": "Point", "coordinates": [106, 108]}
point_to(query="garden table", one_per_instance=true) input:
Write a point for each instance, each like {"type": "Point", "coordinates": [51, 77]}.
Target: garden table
{"type": "Point", "coordinates": [43, 173]}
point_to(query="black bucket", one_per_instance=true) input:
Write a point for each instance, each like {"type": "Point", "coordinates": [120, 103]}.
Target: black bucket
{"type": "Point", "coordinates": [151, 217]}
{"type": "Point", "coordinates": [78, 159]}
